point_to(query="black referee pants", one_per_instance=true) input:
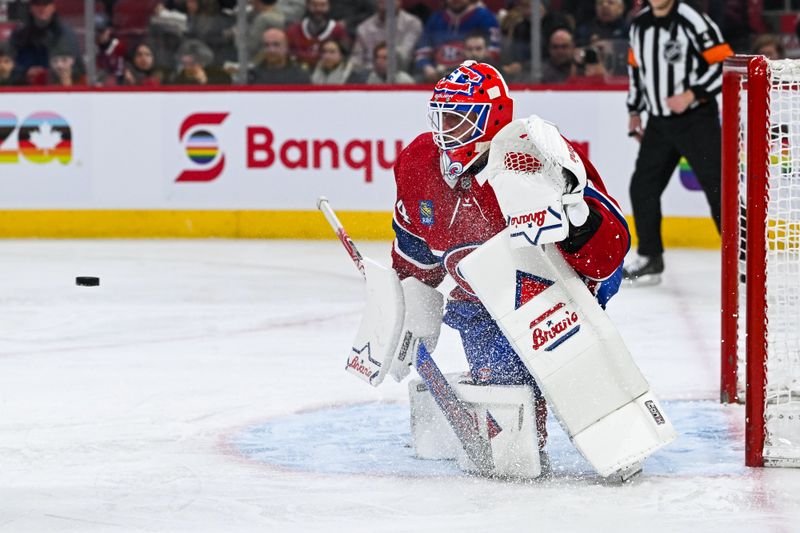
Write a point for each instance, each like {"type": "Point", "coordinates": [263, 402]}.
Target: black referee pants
{"type": "Point", "coordinates": [696, 135]}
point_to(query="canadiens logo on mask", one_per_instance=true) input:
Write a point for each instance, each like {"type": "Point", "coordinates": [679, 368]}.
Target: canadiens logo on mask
{"type": "Point", "coordinates": [463, 80]}
{"type": "Point", "coordinates": [467, 109]}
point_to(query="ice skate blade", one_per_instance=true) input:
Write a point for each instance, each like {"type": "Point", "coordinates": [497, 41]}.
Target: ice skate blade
{"type": "Point", "coordinates": [647, 280]}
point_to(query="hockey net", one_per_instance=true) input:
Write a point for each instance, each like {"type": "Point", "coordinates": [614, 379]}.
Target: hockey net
{"type": "Point", "coordinates": [761, 254]}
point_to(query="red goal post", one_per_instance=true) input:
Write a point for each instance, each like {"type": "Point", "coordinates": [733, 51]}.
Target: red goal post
{"type": "Point", "coordinates": [760, 336]}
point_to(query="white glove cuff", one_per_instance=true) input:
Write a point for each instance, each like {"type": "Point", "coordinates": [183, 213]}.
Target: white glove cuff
{"type": "Point", "coordinates": [578, 213]}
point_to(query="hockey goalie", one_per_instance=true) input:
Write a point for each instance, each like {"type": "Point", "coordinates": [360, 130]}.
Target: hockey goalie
{"type": "Point", "coordinates": [521, 221]}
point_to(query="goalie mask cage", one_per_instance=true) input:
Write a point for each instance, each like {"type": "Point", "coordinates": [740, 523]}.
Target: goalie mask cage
{"type": "Point", "coordinates": [761, 254]}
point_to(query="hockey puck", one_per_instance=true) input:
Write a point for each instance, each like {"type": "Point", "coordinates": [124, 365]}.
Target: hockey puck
{"type": "Point", "coordinates": [87, 281]}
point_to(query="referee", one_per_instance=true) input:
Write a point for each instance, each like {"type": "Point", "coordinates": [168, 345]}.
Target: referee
{"type": "Point", "coordinates": [675, 69]}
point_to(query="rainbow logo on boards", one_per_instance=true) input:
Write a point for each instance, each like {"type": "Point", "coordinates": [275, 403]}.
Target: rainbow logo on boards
{"type": "Point", "coordinates": [42, 137]}
{"type": "Point", "coordinates": [687, 175]}
{"type": "Point", "coordinates": [45, 136]}
{"type": "Point", "coordinates": [8, 123]}
{"type": "Point", "coordinates": [780, 150]}
{"type": "Point", "coordinates": [202, 147]}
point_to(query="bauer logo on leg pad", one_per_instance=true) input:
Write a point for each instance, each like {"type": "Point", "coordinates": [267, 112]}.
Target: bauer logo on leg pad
{"type": "Point", "coordinates": [554, 326]}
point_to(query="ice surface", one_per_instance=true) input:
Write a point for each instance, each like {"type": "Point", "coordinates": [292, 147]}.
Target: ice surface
{"type": "Point", "coordinates": [201, 387]}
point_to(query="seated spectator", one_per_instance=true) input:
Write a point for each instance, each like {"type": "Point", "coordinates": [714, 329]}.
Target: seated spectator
{"type": "Point", "coordinates": [142, 69]}
{"type": "Point", "coordinates": [608, 23]}
{"type": "Point", "coordinates": [589, 68]}
{"type": "Point", "coordinates": [379, 74]}
{"type": "Point", "coordinates": [194, 66]}
{"type": "Point", "coordinates": [770, 46]}
{"type": "Point", "coordinates": [442, 45]}
{"type": "Point", "coordinates": [174, 5]}
{"type": "Point", "coordinates": [206, 22]}
{"type": "Point", "coordinates": [422, 9]}
{"type": "Point", "coordinates": [305, 36]}
{"type": "Point", "coordinates": [476, 47]}
{"type": "Point", "coordinates": [516, 37]}
{"type": "Point", "coordinates": [9, 73]}
{"type": "Point", "coordinates": [41, 32]}
{"type": "Point", "coordinates": [351, 13]}
{"type": "Point", "coordinates": [579, 11]}
{"type": "Point", "coordinates": [63, 67]}
{"type": "Point", "coordinates": [373, 31]}
{"type": "Point", "coordinates": [333, 67]}
{"type": "Point", "coordinates": [276, 67]}
{"type": "Point", "coordinates": [174, 19]}
{"type": "Point", "coordinates": [293, 10]}
{"type": "Point", "coordinates": [560, 62]}
{"type": "Point", "coordinates": [110, 54]}
{"type": "Point", "coordinates": [165, 34]}
{"type": "Point", "coordinates": [265, 15]}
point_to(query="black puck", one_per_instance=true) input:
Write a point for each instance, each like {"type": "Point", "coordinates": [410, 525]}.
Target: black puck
{"type": "Point", "coordinates": [87, 281]}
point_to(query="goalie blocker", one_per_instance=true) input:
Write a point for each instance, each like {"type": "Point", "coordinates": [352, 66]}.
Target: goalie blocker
{"type": "Point", "coordinates": [399, 315]}
{"type": "Point", "coordinates": [573, 351]}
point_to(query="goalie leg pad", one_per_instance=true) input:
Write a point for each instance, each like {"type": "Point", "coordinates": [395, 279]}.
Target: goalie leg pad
{"type": "Point", "coordinates": [431, 434]}
{"type": "Point", "coordinates": [626, 436]}
{"type": "Point", "coordinates": [504, 415]}
{"type": "Point", "coordinates": [572, 349]}
{"type": "Point", "coordinates": [491, 358]}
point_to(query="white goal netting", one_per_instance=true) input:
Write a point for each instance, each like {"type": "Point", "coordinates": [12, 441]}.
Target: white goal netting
{"type": "Point", "coordinates": [782, 243]}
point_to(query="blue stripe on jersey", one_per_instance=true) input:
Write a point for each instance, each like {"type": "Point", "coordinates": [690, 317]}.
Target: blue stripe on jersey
{"type": "Point", "coordinates": [413, 246]}
{"type": "Point", "coordinates": [610, 206]}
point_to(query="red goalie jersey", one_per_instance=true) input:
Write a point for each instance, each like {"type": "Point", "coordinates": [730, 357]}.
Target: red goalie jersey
{"type": "Point", "coordinates": [436, 226]}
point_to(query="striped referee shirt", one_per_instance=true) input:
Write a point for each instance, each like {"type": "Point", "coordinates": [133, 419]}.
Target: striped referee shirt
{"type": "Point", "coordinates": [671, 54]}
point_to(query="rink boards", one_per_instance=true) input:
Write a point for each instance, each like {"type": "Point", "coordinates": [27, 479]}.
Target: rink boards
{"type": "Point", "coordinates": [251, 163]}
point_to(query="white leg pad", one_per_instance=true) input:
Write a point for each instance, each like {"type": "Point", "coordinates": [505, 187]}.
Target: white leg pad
{"type": "Point", "coordinates": [431, 435]}
{"type": "Point", "coordinates": [626, 436]}
{"type": "Point", "coordinates": [572, 349]}
{"type": "Point", "coordinates": [503, 414]}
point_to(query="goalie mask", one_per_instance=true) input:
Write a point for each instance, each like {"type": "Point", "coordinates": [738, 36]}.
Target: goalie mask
{"type": "Point", "coordinates": [467, 109]}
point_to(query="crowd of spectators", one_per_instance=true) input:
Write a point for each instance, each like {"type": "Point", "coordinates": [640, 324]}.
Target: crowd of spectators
{"type": "Point", "coordinates": [334, 42]}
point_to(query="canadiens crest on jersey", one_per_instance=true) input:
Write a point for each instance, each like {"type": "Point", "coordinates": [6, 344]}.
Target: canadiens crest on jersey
{"type": "Point", "coordinates": [426, 212]}
{"type": "Point", "coordinates": [450, 260]}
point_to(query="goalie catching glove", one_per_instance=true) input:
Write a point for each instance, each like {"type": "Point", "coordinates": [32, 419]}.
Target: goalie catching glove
{"type": "Point", "coordinates": [398, 316]}
{"type": "Point", "coordinates": [538, 180]}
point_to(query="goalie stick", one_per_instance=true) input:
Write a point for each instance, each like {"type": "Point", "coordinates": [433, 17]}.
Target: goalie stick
{"type": "Point", "coordinates": [453, 408]}
{"type": "Point", "coordinates": [325, 206]}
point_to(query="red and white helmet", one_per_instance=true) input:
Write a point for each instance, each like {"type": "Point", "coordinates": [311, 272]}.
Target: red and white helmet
{"type": "Point", "coordinates": [467, 109]}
